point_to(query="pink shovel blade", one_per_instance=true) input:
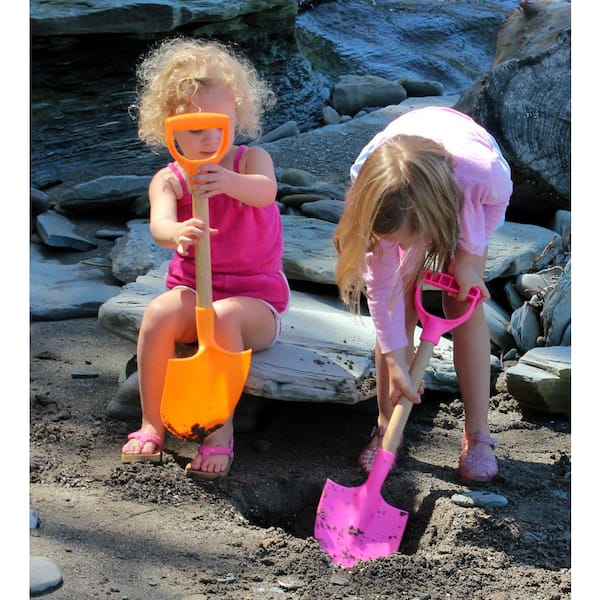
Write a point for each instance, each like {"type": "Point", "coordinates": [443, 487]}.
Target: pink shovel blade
{"type": "Point", "coordinates": [356, 523]}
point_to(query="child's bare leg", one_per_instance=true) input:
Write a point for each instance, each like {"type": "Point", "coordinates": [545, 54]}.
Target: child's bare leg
{"type": "Point", "coordinates": [472, 350]}
{"type": "Point", "coordinates": [240, 323]}
{"type": "Point", "coordinates": [472, 364]}
{"type": "Point", "coordinates": [168, 318]}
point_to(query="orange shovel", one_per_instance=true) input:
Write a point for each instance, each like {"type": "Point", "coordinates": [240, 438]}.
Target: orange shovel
{"type": "Point", "coordinates": [202, 391]}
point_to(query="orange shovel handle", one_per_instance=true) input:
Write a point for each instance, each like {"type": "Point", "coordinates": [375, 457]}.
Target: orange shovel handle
{"type": "Point", "coordinates": [194, 122]}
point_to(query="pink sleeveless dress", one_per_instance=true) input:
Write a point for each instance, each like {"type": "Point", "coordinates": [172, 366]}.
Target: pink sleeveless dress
{"type": "Point", "coordinates": [246, 254]}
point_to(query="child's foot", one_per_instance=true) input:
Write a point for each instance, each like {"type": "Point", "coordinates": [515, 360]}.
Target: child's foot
{"type": "Point", "coordinates": [367, 457]}
{"type": "Point", "coordinates": [143, 446]}
{"type": "Point", "coordinates": [214, 457]}
{"type": "Point", "coordinates": [477, 462]}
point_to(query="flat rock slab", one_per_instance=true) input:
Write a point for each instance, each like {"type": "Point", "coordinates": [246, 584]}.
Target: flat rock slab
{"type": "Point", "coordinates": [324, 353]}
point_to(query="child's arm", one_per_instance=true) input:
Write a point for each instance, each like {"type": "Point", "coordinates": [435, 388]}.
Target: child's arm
{"type": "Point", "coordinates": [464, 266]}
{"type": "Point", "coordinates": [164, 227]}
{"type": "Point", "coordinates": [255, 185]}
{"type": "Point", "coordinates": [399, 376]}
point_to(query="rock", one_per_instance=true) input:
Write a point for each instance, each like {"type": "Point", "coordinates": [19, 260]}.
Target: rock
{"type": "Point", "coordinates": [515, 247]}
{"type": "Point", "coordinates": [39, 201]}
{"type": "Point", "coordinates": [415, 88]}
{"type": "Point", "coordinates": [288, 129]}
{"type": "Point", "coordinates": [117, 16]}
{"type": "Point", "coordinates": [309, 253]}
{"type": "Point", "coordinates": [531, 284]}
{"type": "Point", "coordinates": [324, 353]}
{"type": "Point", "coordinates": [523, 100]}
{"type": "Point", "coordinates": [541, 380]}
{"type": "Point", "coordinates": [331, 116]}
{"type": "Point", "coordinates": [561, 223]}
{"type": "Point", "coordinates": [525, 326]}
{"type": "Point", "coordinates": [108, 193]}
{"type": "Point", "coordinates": [298, 178]}
{"type": "Point", "coordinates": [298, 200]}
{"type": "Point", "coordinates": [34, 519]}
{"type": "Point", "coordinates": [44, 576]}
{"type": "Point", "coordinates": [58, 232]}
{"type": "Point", "coordinates": [480, 498]}
{"type": "Point", "coordinates": [317, 188]}
{"type": "Point", "coordinates": [136, 253]}
{"type": "Point", "coordinates": [325, 210]}
{"type": "Point", "coordinates": [351, 93]}
{"type": "Point", "coordinates": [63, 291]}
{"type": "Point", "coordinates": [556, 312]}
{"type": "Point", "coordinates": [498, 322]}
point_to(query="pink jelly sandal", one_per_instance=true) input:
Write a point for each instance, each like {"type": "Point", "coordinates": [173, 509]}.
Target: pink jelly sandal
{"type": "Point", "coordinates": [474, 464]}
{"type": "Point", "coordinates": [367, 457]}
{"type": "Point", "coordinates": [144, 438]}
{"type": "Point", "coordinates": [206, 451]}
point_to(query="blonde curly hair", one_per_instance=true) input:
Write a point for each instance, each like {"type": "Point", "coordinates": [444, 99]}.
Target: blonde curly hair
{"type": "Point", "coordinates": [174, 70]}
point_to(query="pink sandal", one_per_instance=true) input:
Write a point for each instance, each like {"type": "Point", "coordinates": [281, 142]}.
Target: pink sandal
{"type": "Point", "coordinates": [144, 438]}
{"type": "Point", "coordinates": [474, 464]}
{"type": "Point", "coordinates": [206, 451]}
{"type": "Point", "coordinates": [367, 457]}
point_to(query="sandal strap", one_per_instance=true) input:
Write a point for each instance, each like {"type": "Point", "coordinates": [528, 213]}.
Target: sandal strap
{"type": "Point", "coordinates": [482, 438]}
{"type": "Point", "coordinates": [378, 430]}
{"type": "Point", "coordinates": [144, 438]}
{"type": "Point", "coordinates": [206, 450]}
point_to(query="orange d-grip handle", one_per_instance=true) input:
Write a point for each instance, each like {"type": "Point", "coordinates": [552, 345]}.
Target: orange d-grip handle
{"type": "Point", "coordinates": [194, 122]}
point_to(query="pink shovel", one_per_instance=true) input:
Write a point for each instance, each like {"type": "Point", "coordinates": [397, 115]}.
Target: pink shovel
{"type": "Point", "coordinates": [356, 523]}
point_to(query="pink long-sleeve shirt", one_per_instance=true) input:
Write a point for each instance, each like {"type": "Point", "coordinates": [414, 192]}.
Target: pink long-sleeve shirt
{"type": "Point", "coordinates": [484, 178]}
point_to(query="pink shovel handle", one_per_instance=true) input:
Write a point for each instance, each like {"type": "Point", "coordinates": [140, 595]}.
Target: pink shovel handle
{"type": "Point", "coordinates": [433, 328]}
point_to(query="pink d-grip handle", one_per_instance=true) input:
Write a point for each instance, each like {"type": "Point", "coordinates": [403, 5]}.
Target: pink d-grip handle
{"type": "Point", "coordinates": [434, 327]}
{"type": "Point", "coordinates": [194, 122]}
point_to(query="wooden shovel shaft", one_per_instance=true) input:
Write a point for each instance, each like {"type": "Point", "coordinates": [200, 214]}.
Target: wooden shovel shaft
{"type": "Point", "coordinates": [395, 430]}
{"type": "Point", "coordinates": [202, 253]}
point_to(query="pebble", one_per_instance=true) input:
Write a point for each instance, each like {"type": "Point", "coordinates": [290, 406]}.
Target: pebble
{"type": "Point", "coordinates": [34, 519]}
{"type": "Point", "coordinates": [84, 374]}
{"type": "Point", "coordinates": [481, 499]}
{"type": "Point", "coordinates": [290, 583]}
{"type": "Point", "coordinates": [44, 576]}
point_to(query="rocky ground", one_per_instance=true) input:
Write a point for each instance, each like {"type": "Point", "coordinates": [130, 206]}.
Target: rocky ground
{"type": "Point", "coordinates": [146, 532]}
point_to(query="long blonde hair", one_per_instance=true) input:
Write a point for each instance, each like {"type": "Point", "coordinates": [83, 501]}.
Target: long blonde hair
{"type": "Point", "coordinates": [408, 181]}
{"type": "Point", "coordinates": [175, 69]}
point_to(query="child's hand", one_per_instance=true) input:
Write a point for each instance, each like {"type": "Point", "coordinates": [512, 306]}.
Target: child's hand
{"type": "Point", "coordinates": [212, 179]}
{"type": "Point", "coordinates": [188, 232]}
{"type": "Point", "coordinates": [465, 272]}
{"type": "Point", "coordinates": [399, 380]}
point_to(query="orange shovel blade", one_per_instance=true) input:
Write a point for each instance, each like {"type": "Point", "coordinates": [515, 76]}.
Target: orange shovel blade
{"type": "Point", "coordinates": [201, 391]}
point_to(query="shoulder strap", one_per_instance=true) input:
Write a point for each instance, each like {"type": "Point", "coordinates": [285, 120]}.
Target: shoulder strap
{"type": "Point", "coordinates": [179, 176]}
{"type": "Point", "coordinates": [238, 157]}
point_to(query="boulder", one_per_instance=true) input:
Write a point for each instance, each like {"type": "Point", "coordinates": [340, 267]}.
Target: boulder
{"type": "Point", "coordinates": [524, 101]}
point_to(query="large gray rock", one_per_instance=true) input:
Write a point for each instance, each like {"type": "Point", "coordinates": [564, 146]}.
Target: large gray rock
{"type": "Point", "coordinates": [524, 100]}
{"type": "Point", "coordinates": [324, 353]}
{"type": "Point", "coordinates": [143, 17]}
{"type": "Point", "coordinates": [541, 381]}
{"type": "Point", "coordinates": [66, 291]}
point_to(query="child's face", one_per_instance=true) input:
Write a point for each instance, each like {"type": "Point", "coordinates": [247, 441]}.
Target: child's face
{"type": "Point", "coordinates": [203, 143]}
